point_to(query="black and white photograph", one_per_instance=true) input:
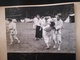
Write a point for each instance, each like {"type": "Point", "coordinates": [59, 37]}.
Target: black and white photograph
{"type": "Point", "coordinates": [41, 29]}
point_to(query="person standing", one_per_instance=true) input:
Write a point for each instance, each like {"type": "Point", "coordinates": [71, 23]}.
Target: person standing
{"type": "Point", "coordinates": [47, 31]}
{"type": "Point", "coordinates": [58, 27]}
{"type": "Point", "coordinates": [13, 31]}
{"type": "Point", "coordinates": [38, 33]}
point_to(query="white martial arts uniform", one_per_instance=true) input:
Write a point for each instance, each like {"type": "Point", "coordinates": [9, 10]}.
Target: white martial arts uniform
{"type": "Point", "coordinates": [57, 33]}
{"type": "Point", "coordinates": [13, 32]}
{"type": "Point", "coordinates": [46, 34]}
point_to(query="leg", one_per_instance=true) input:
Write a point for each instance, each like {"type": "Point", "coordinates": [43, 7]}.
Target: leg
{"type": "Point", "coordinates": [59, 41]}
{"type": "Point", "coordinates": [15, 37]}
{"type": "Point", "coordinates": [47, 42]}
{"type": "Point", "coordinates": [11, 38]}
{"type": "Point", "coordinates": [54, 40]}
{"type": "Point", "coordinates": [46, 39]}
{"type": "Point", "coordinates": [37, 33]}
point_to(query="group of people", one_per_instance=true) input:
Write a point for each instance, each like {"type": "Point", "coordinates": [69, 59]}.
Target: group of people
{"type": "Point", "coordinates": [46, 28]}
{"type": "Point", "coordinates": [49, 29]}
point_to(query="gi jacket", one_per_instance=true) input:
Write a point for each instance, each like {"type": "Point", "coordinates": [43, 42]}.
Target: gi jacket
{"type": "Point", "coordinates": [58, 25]}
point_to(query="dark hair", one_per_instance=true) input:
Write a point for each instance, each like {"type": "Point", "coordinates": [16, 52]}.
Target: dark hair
{"type": "Point", "coordinates": [9, 20]}
{"type": "Point", "coordinates": [59, 14]}
{"type": "Point", "coordinates": [52, 24]}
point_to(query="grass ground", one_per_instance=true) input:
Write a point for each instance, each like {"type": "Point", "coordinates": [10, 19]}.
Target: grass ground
{"type": "Point", "coordinates": [26, 35]}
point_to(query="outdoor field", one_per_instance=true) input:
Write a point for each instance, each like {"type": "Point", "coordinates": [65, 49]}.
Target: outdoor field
{"type": "Point", "coordinates": [28, 44]}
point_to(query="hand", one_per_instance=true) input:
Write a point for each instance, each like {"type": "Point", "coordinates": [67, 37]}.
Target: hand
{"type": "Point", "coordinates": [58, 29]}
{"type": "Point", "coordinates": [40, 29]}
{"type": "Point", "coordinates": [54, 28]}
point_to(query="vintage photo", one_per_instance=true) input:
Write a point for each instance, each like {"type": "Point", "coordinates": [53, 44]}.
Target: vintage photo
{"type": "Point", "coordinates": [41, 29]}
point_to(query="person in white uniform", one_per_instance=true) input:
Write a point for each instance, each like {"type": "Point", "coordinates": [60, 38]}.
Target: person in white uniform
{"type": "Point", "coordinates": [13, 31]}
{"type": "Point", "coordinates": [57, 33]}
{"type": "Point", "coordinates": [47, 27]}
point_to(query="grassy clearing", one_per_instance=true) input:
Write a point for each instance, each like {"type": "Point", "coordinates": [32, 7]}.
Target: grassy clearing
{"type": "Point", "coordinates": [26, 34]}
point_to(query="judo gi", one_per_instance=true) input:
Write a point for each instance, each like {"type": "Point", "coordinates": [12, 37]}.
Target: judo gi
{"type": "Point", "coordinates": [13, 32]}
{"type": "Point", "coordinates": [57, 32]}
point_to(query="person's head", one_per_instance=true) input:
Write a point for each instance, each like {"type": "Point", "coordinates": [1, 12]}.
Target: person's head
{"type": "Point", "coordinates": [52, 24]}
{"type": "Point", "coordinates": [38, 16]}
{"type": "Point", "coordinates": [10, 20]}
{"type": "Point", "coordinates": [42, 17]}
{"type": "Point", "coordinates": [14, 20]}
{"type": "Point", "coordinates": [46, 18]}
{"type": "Point", "coordinates": [58, 16]}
